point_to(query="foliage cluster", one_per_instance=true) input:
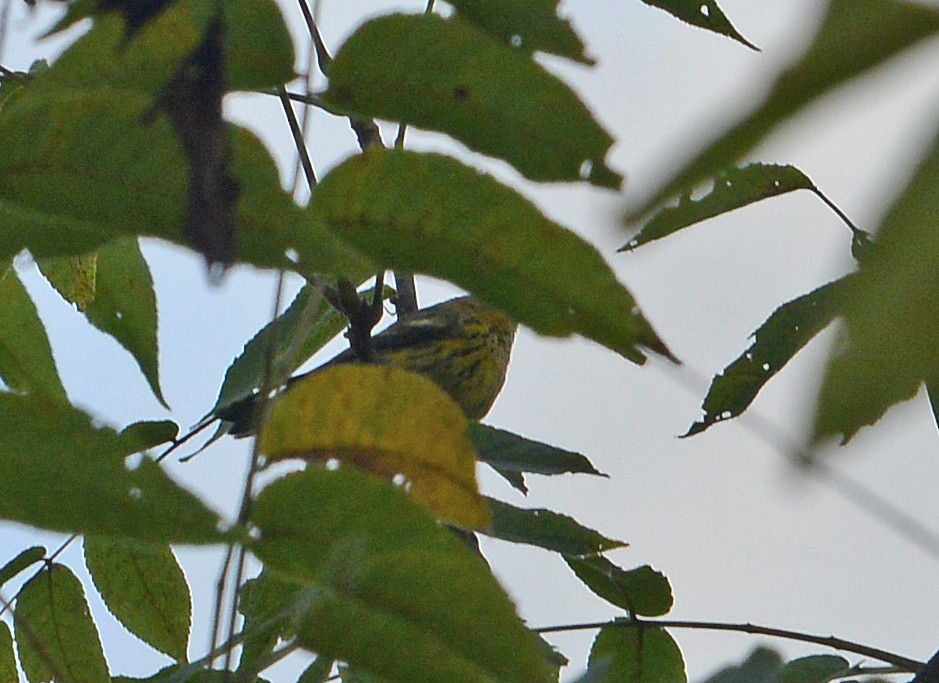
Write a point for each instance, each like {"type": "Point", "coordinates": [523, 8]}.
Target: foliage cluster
{"type": "Point", "coordinates": [122, 137]}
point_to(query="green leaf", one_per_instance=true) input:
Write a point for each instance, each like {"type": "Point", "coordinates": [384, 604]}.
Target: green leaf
{"type": "Point", "coordinates": [529, 25]}
{"type": "Point", "coordinates": [545, 529]}
{"type": "Point", "coordinates": [84, 161]}
{"type": "Point", "coordinates": [637, 655]}
{"type": "Point", "coordinates": [890, 343]}
{"type": "Point", "coordinates": [855, 37]}
{"type": "Point", "coordinates": [55, 635]}
{"type": "Point", "coordinates": [643, 591]}
{"type": "Point", "coordinates": [73, 277]}
{"type": "Point", "coordinates": [150, 433]}
{"type": "Point", "coordinates": [703, 14]}
{"type": "Point", "coordinates": [447, 76]}
{"type": "Point", "coordinates": [258, 45]}
{"type": "Point", "coordinates": [124, 305]}
{"type": "Point", "coordinates": [785, 332]}
{"type": "Point", "coordinates": [318, 671]}
{"type": "Point", "coordinates": [761, 666]}
{"type": "Point", "coordinates": [269, 604]}
{"type": "Point", "coordinates": [299, 332]}
{"type": "Point", "coordinates": [144, 587]}
{"type": "Point", "coordinates": [26, 362]}
{"type": "Point", "coordinates": [23, 560]}
{"type": "Point", "coordinates": [8, 672]}
{"type": "Point", "coordinates": [259, 52]}
{"type": "Point", "coordinates": [72, 476]}
{"type": "Point", "coordinates": [426, 213]}
{"type": "Point", "coordinates": [814, 669]}
{"type": "Point", "coordinates": [733, 188]}
{"type": "Point", "coordinates": [508, 452]}
{"type": "Point", "coordinates": [377, 565]}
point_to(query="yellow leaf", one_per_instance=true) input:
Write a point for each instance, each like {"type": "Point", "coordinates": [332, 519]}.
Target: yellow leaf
{"type": "Point", "coordinates": [395, 424]}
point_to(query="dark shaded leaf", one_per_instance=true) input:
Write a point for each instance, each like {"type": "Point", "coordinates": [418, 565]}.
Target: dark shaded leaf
{"type": "Point", "coordinates": [447, 76]}
{"type": "Point", "coordinates": [529, 25]}
{"type": "Point", "coordinates": [785, 332]}
{"type": "Point", "coordinates": [703, 14]}
{"type": "Point", "coordinates": [545, 529]}
{"type": "Point", "coordinates": [634, 655]}
{"type": "Point", "coordinates": [643, 591]}
{"type": "Point", "coordinates": [512, 453]}
{"type": "Point", "coordinates": [22, 561]}
{"type": "Point", "coordinates": [144, 588]}
{"type": "Point", "coordinates": [193, 102]}
{"type": "Point", "coordinates": [389, 585]}
{"type": "Point", "coordinates": [890, 343]}
{"type": "Point", "coordinates": [26, 362]}
{"type": "Point", "coordinates": [151, 433]}
{"type": "Point", "coordinates": [318, 671]}
{"type": "Point", "coordinates": [72, 476]}
{"type": "Point", "coordinates": [855, 36]}
{"type": "Point", "coordinates": [299, 332]}
{"type": "Point", "coordinates": [55, 635]}
{"type": "Point", "coordinates": [733, 188]}
{"type": "Point", "coordinates": [814, 669]}
{"type": "Point", "coordinates": [762, 665]}
{"type": "Point", "coordinates": [426, 213]}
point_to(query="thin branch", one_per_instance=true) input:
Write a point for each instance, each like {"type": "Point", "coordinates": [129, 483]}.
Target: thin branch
{"type": "Point", "coordinates": [323, 59]}
{"type": "Point", "coordinates": [905, 663]}
{"type": "Point", "coordinates": [244, 509]}
{"type": "Point", "coordinates": [298, 140]}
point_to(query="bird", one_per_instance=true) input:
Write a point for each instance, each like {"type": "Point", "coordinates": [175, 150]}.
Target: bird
{"type": "Point", "coordinates": [462, 344]}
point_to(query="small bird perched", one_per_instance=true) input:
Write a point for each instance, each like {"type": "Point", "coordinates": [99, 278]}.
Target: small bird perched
{"type": "Point", "coordinates": [463, 345]}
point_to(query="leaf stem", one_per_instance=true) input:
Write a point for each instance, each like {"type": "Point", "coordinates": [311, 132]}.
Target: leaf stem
{"type": "Point", "coordinates": [904, 663]}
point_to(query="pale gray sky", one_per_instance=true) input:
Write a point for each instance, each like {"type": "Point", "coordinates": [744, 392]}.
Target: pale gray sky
{"type": "Point", "coordinates": [742, 537]}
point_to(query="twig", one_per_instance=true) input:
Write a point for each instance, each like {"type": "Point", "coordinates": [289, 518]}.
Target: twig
{"type": "Point", "coordinates": [298, 140]}
{"type": "Point", "coordinates": [905, 663]}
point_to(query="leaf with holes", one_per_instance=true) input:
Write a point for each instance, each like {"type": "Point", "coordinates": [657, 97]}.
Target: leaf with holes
{"type": "Point", "coordinates": [56, 637]}
{"type": "Point", "coordinates": [144, 587]}
{"type": "Point", "coordinates": [426, 213]}
{"type": "Point", "coordinates": [395, 424]}
{"type": "Point", "coordinates": [733, 188]}
{"type": "Point", "coordinates": [703, 14]}
{"type": "Point", "coordinates": [785, 332]}
{"type": "Point", "coordinates": [449, 77]}
{"type": "Point", "coordinates": [545, 529]}
{"type": "Point", "coordinates": [855, 37]}
{"type": "Point", "coordinates": [529, 25]}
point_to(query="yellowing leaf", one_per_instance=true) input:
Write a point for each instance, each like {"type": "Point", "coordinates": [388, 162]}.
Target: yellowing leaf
{"type": "Point", "coordinates": [73, 277]}
{"type": "Point", "coordinates": [393, 423]}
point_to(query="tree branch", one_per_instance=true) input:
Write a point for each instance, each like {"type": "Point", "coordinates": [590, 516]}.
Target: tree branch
{"type": "Point", "coordinates": [905, 663]}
